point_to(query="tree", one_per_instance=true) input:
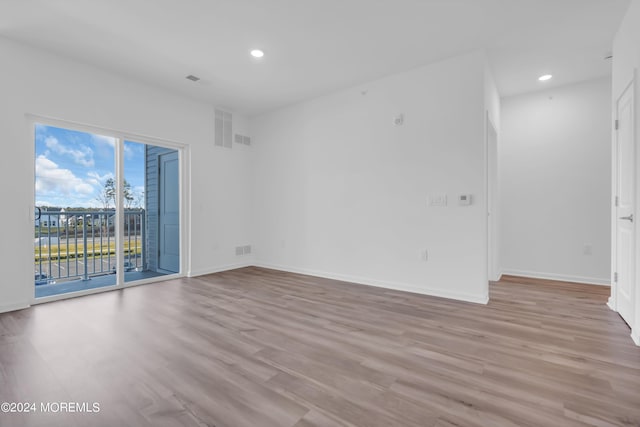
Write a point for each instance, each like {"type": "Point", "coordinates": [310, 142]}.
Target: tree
{"type": "Point", "coordinates": [107, 195]}
{"type": "Point", "coordinates": [128, 195]}
{"type": "Point", "coordinates": [139, 199]}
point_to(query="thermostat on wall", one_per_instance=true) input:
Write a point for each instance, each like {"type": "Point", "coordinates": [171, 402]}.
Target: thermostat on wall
{"type": "Point", "coordinates": [464, 199]}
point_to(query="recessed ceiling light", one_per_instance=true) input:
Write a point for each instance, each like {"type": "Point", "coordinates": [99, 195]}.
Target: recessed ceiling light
{"type": "Point", "coordinates": [545, 77]}
{"type": "Point", "coordinates": [257, 53]}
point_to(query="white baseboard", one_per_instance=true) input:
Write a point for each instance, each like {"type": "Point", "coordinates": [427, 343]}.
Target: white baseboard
{"type": "Point", "coordinates": [500, 273]}
{"type": "Point", "coordinates": [478, 299]}
{"type": "Point", "coordinates": [4, 308]}
{"type": "Point", "coordinates": [611, 304]}
{"type": "Point", "coordinates": [558, 277]}
{"type": "Point", "coordinates": [218, 269]}
{"type": "Point", "coordinates": [635, 336]}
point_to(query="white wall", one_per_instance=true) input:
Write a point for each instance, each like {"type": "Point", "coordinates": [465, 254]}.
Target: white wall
{"type": "Point", "coordinates": [341, 192]}
{"type": "Point", "coordinates": [492, 97]}
{"type": "Point", "coordinates": [626, 62]}
{"type": "Point", "coordinates": [555, 167]}
{"type": "Point", "coordinates": [336, 189]}
{"type": "Point", "coordinates": [492, 124]}
{"type": "Point", "coordinates": [36, 82]}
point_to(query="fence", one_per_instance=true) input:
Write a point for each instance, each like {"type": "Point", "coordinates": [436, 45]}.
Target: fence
{"type": "Point", "coordinates": [81, 244]}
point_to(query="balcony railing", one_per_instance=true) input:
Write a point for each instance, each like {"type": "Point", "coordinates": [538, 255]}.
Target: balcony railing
{"type": "Point", "coordinates": [81, 244]}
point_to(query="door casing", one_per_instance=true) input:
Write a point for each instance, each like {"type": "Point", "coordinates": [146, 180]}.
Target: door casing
{"type": "Point", "coordinates": [623, 248]}
{"type": "Point", "coordinates": [184, 202]}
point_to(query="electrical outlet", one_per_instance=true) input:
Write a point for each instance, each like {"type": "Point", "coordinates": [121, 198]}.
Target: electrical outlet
{"type": "Point", "coordinates": [587, 249]}
{"type": "Point", "coordinates": [239, 250]}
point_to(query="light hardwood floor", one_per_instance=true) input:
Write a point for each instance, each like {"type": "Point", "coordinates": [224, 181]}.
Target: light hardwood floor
{"type": "Point", "coordinates": [256, 347]}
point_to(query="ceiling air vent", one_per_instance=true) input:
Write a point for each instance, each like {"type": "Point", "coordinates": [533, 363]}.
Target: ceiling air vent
{"type": "Point", "coordinates": [192, 78]}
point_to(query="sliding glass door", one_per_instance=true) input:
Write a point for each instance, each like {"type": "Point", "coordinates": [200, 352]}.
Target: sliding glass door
{"type": "Point", "coordinates": [88, 226]}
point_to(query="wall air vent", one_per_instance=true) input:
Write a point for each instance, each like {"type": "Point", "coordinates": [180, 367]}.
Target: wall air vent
{"type": "Point", "coordinates": [223, 129]}
{"type": "Point", "coordinates": [243, 250]}
{"type": "Point", "coordinates": [242, 139]}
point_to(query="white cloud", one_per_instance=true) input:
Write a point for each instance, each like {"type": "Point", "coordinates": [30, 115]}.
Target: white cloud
{"type": "Point", "coordinates": [128, 152]}
{"type": "Point", "coordinates": [111, 142]}
{"type": "Point", "coordinates": [41, 132]}
{"type": "Point", "coordinates": [54, 181]}
{"type": "Point", "coordinates": [101, 139]}
{"type": "Point", "coordinates": [96, 179]}
{"type": "Point", "coordinates": [83, 156]}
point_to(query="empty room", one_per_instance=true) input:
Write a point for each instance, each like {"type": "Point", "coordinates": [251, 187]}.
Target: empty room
{"type": "Point", "coordinates": [319, 213]}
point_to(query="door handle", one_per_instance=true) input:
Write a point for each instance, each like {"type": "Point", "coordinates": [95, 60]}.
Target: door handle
{"type": "Point", "coordinates": [627, 218]}
{"type": "Point", "coordinates": [39, 214]}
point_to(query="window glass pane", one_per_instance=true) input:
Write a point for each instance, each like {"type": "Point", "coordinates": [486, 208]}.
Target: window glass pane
{"type": "Point", "coordinates": [74, 244]}
{"type": "Point", "coordinates": [152, 223]}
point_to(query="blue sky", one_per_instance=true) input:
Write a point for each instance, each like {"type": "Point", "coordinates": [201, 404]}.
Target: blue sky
{"type": "Point", "coordinates": [72, 166]}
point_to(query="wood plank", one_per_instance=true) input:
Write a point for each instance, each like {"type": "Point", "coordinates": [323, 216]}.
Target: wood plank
{"type": "Point", "coordinates": [258, 347]}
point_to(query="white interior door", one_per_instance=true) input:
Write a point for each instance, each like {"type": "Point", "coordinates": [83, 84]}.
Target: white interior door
{"type": "Point", "coordinates": [625, 206]}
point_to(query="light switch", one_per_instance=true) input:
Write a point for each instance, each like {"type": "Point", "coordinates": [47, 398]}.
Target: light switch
{"type": "Point", "coordinates": [464, 199]}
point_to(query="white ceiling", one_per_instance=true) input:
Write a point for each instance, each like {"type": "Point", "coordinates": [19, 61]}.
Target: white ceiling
{"type": "Point", "coordinates": [316, 46]}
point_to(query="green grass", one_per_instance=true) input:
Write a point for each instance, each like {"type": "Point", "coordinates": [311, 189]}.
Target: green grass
{"type": "Point", "coordinates": [77, 250]}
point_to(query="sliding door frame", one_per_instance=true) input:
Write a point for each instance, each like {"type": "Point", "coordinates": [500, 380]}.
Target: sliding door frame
{"type": "Point", "coordinates": [120, 137]}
